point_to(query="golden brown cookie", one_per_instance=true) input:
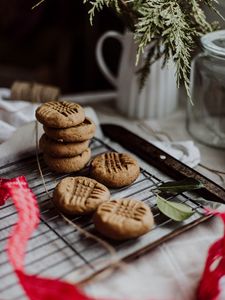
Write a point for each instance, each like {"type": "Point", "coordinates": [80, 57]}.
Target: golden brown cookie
{"type": "Point", "coordinates": [115, 169]}
{"type": "Point", "coordinates": [123, 219]}
{"type": "Point", "coordinates": [60, 114]}
{"type": "Point", "coordinates": [68, 165]}
{"type": "Point", "coordinates": [59, 149]}
{"type": "Point", "coordinates": [79, 195]}
{"type": "Point", "coordinates": [81, 132]}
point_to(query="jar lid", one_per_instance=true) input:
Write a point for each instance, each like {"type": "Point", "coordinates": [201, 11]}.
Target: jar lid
{"type": "Point", "coordinates": [214, 42]}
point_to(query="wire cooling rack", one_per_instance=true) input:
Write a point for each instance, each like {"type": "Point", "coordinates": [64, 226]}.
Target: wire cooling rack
{"type": "Point", "coordinates": [57, 249]}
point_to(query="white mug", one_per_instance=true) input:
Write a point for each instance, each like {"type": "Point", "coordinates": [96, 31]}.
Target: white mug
{"type": "Point", "coordinates": [157, 98]}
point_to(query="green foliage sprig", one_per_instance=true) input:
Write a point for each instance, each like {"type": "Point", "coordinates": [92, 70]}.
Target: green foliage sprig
{"type": "Point", "coordinates": [163, 28]}
{"type": "Point", "coordinates": [176, 211]}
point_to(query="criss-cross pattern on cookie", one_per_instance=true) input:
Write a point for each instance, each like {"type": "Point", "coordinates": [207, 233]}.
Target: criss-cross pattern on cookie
{"type": "Point", "coordinates": [84, 194]}
{"type": "Point", "coordinates": [126, 208]}
{"type": "Point", "coordinates": [64, 108]}
{"type": "Point", "coordinates": [116, 162]}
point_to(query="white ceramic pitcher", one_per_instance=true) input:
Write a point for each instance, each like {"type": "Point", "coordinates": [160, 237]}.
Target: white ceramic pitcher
{"type": "Point", "coordinates": [157, 99]}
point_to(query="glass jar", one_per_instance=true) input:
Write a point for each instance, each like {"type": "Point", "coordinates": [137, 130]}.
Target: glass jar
{"type": "Point", "coordinates": [206, 116]}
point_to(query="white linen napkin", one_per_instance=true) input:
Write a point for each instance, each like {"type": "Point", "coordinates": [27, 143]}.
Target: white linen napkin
{"type": "Point", "coordinates": [14, 114]}
{"type": "Point", "coordinates": [185, 151]}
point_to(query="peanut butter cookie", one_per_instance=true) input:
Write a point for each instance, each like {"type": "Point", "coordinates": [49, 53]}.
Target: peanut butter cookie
{"type": "Point", "coordinates": [123, 219]}
{"type": "Point", "coordinates": [81, 132]}
{"type": "Point", "coordinates": [115, 169]}
{"type": "Point", "coordinates": [70, 164]}
{"type": "Point", "coordinates": [60, 114]}
{"type": "Point", "coordinates": [59, 149]}
{"type": "Point", "coordinates": [79, 195]}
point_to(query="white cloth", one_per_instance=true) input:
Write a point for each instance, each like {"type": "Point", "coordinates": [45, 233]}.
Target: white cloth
{"type": "Point", "coordinates": [185, 151]}
{"type": "Point", "coordinates": [171, 271]}
{"type": "Point", "coordinates": [14, 114]}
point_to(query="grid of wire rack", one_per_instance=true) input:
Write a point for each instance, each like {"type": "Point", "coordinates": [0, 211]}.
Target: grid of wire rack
{"type": "Point", "coordinates": [57, 249]}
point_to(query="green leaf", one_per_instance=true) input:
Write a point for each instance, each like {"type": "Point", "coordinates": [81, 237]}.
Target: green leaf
{"type": "Point", "coordinates": [174, 210]}
{"type": "Point", "coordinates": [185, 185]}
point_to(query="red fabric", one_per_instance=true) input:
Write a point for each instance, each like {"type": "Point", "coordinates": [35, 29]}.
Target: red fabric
{"type": "Point", "coordinates": [214, 269]}
{"type": "Point", "coordinates": [36, 288]}
{"type": "Point", "coordinates": [4, 193]}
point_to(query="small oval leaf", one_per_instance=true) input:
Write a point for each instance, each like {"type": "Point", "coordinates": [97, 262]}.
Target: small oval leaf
{"type": "Point", "coordinates": [174, 210]}
{"type": "Point", "coordinates": [185, 185]}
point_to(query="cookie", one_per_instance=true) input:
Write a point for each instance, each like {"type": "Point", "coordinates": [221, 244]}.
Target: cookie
{"type": "Point", "coordinates": [79, 195]}
{"type": "Point", "coordinates": [68, 165]}
{"type": "Point", "coordinates": [81, 132]}
{"type": "Point", "coordinates": [123, 219]}
{"type": "Point", "coordinates": [59, 149]}
{"type": "Point", "coordinates": [60, 114]}
{"type": "Point", "coordinates": [115, 169]}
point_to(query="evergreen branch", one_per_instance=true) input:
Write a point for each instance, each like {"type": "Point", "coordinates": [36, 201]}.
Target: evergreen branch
{"type": "Point", "coordinates": [199, 17]}
{"type": "Point", "coordinates": [97, 5]}
{"type": "Point", "coordinates": [165, 19]}
{"type": "Point", "coordinates": [163, 28]}
{"type": "Point", "coordinates": [168, 28]}
{"type": "Point", "coordinates": [211, 4]}
{"type": "Point", "coordinates": [153, 54]}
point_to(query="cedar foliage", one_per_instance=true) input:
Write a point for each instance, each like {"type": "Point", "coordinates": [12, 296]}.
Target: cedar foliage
{"type": "Point", "coordinates": [164, 28]}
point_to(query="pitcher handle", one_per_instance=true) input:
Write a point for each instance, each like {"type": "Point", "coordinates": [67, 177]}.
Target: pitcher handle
{"type": "Point", "coordinates": [100, 58]}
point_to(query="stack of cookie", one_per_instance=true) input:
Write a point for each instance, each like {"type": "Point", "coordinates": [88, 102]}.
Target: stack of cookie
{"type": "Point", "coordinates": [67, 134]}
